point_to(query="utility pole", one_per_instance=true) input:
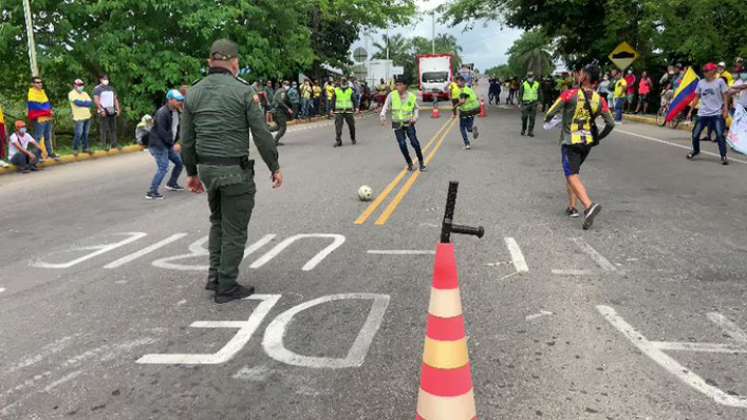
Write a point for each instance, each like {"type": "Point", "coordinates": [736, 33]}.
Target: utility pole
{"type": "Point", "coordinates": [30, 36]}
{"type": "Point", "coordinates": [433, 31]}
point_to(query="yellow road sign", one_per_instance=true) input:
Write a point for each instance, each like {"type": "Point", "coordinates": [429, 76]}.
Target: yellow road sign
{"type": "Point", "coordinates": [623, 56]}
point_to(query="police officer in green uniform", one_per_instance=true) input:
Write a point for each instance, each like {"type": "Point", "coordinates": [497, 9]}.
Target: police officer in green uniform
{"type": "Point", "coordinates": [344, 104]}
{"type": "Point", "coordinates": [283, 111]}
{"type": "Point", "coordinates": [218, 115]}
{"type": "Point", "coordinates": [529, 95]}
{"type": "Point", "coordinates": [467, 107]}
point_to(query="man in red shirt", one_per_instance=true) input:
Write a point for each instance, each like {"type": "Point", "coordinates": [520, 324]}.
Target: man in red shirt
{"type": "Point", "coordinates": [630, 79]}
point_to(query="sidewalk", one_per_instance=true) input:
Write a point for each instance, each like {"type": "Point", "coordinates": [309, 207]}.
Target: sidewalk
{"type": "Point", "coordinates": [651, 120]}
{"type": "Point", "coordinates": [65, 159]}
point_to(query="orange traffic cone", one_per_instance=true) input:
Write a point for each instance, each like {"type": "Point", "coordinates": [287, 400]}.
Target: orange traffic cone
{"type": "Point", "coordinates": [483, 109]}
{"type": "Point", "coordinates": [446, 380]}
{"type": "Point", "coordinates": [435, 113]}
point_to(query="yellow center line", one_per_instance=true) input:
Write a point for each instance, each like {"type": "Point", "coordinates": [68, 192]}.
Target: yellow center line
{"type": "Point", "coordinates": [392, 207]}
{"type": "Point", "coordinates": [392, 185]}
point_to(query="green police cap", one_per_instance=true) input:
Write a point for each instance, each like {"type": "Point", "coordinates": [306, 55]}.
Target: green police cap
{"type": "Point", "coordinates": [224, 49]}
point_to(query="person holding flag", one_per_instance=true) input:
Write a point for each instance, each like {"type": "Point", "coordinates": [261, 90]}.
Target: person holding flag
{"type": "Point", "coordinates": [710, 94]}
{"type": "Point", "coordinates": [3, 140]}
{"type": "Point", "coordinates": [40, 112]}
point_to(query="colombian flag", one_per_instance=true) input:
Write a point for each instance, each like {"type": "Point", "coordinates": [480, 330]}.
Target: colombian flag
{"type": "Point", "coordinates": [38, 104]}
{"type": "Point", "coordinates": [2, 134]}
{"type": "Point", "coordinates": [684, 94]}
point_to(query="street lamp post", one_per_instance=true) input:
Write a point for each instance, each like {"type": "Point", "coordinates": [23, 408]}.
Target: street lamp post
{"type": "Point", "coordinates": [30, 36]}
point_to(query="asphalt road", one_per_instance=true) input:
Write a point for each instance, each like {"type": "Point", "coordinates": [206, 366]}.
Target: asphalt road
{"type": "Point", "coordinates": [636, 319]}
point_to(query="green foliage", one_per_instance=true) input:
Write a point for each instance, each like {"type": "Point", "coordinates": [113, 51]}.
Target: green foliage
{"type": "Point", "coordinates": [148, 46]}
{"type": "Point", "coordinates": [661, 30]}
{"type": "Point", "coordinates": [530, 53]}
{"type": "Point", "coordinates": [404, 51]}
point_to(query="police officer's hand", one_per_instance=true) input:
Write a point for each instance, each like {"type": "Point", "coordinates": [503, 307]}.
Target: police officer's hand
{"type": "Point", "coordinates": [413, 121]}
{"type": "Point", "coordinates": [277, 179]}
{"type": "Point", "coordinates": [195, 185]}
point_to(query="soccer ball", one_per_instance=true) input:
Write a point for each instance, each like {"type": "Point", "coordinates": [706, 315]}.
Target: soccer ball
{"type": "Point", "coordinates": [365, 193]}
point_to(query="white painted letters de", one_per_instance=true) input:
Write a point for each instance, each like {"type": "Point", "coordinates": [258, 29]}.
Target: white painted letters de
{"type": "Point", "coordinates": [233, 346]}
{"type": "Point", "coordinates": [275, 332]}
{"type": "Point", "coordinates": [97, 250]}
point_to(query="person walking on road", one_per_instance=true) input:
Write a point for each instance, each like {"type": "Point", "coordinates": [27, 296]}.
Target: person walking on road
{"type": "Point", "coordinates": [107, 107]}
{"type": "Point", "coordinates": [344, 105]}
{"type": "Point", "coordinates": [41, 113]}
{"type": "Point", "coordinates": [405, 112]}
{"type": "Point", "coordinates": [283, 111]}
{"type": "Point", "coordinates": [529, 95]}
{"type": "Point", "coordinates": [162, 145]}
{"type": "Point", "coordinates": [219, 114]}
{"type": "Point", "coordinates": [580, 107]}
{"type": "Point", "coordinates": [711, 96]}
{"type": "Point", "coordinates": [468, 106]}
{"type": "Point", "coordinates": [80, 105]}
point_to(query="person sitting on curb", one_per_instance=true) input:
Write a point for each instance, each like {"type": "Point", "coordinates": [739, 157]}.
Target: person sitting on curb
{"type": "Point", "coordinates": [20, 154]}
{"type": "Point", "coordinates": [162, 145]}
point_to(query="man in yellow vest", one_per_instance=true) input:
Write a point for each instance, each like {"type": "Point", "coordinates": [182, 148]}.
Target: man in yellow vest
{"type": "Point", "coordinates": [468, 106]}
{"type": "Point", "coordinates": [405, 111]}
{"type": "Point", "coordinates": [454, 92]}
{"type": "Point", "coordinates": [344, 106]}
{"type": "Point", "coordinates": [529, 95]}
{"type": "Point", "coordinates": [580, 108]}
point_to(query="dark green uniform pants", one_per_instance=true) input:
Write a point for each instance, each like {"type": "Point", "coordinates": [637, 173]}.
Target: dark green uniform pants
{"type": "Point", "coordinates": [528, 112]}
{"type": "Point", "coordinates": [281, 119]}
{"type": "Point", "coordinates": [349, 118]}
{"type": "Point", "coordinates": [230, 193]}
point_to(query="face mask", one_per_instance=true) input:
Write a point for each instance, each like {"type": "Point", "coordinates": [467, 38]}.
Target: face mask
{"type": "Point", "coordinates": [79, 89]}
{"type": "Point", "coordinates": [22, 131]}
{"type": "Point", "coordinates": [531, 79]}
{"type": "Point", "coordinates": [105, 82]}
{"type": "Point", "coordinates": [743, 76]}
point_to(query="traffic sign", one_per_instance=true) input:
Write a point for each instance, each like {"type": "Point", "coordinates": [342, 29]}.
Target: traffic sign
{"type": "Point", "coordinates": [623, 56]}
{"type": "Point", "coordinates": [360, 54]}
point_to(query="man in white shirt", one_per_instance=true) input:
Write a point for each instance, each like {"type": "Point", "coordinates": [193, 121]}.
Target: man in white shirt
{"type": "Point", "coordinates": [405, 113]}
{"type": "Point", "coordinates": [20, 154]}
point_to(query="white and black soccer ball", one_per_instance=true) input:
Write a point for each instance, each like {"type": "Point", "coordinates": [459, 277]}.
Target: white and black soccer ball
{"type": "Point", "coordinates": [365, 193]}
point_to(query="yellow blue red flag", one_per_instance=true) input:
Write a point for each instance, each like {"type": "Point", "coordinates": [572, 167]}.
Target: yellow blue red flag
{"type": "Point", "coordinates": [684, 94]}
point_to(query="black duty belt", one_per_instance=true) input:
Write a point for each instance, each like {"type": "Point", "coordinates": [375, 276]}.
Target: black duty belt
{"type": "Point", "coordinates": [242, 161]}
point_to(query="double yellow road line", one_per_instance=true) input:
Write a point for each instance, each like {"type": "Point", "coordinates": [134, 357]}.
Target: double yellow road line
{"type": "Point", "coordinates": [436, 142]}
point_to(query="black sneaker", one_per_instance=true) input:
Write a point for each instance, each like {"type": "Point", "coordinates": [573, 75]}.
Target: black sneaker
{"type": "Point", "coordinates": [724, 161]}
{"type": "Point", "coordinates": [572, 212]}
{"type": "Point", "coordinates": [691, 155]}
{"type": "Point", "coordinates": [235, 293]}
{"type": "Point", "coordinates": [354, 141]}
{"type": "Point", "coordinates": [153, 196]}
{"type": "Point", "coordinates": [410, 168]}
{"type": "Point", "coordinates": [530, 134]}
{"type": "Point", "coordinates": [54, 157]}
{"type": "Point", "coordinates": [280, 143]}
{"type": "Point", "coordinates": [211, 285]}
{"type": "Point", "coordinates": [475, 133]}
{"type": "Point", "coordinates": [175, 187]}
{"type": "Point", "coordinates": [423, 168]}
{"type": "Point", "coordinates": [337, 144]}
{"type": "Point", "coordinates": [590, 214]}
{"type": "Point", "coordinates": [523, 132]}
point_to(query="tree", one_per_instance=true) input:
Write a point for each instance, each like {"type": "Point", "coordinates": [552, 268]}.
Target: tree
{"type": "Point", "coordinates": [530, 53]}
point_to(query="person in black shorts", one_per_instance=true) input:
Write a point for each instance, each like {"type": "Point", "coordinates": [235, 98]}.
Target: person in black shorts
{"type": "Point", "coordinates": [580, 107]}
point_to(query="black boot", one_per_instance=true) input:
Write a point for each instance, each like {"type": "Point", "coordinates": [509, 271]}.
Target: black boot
{"type": "Point", "coordinates": [212, 282]}
{"type": "Point", "coordinates": [235, 293]}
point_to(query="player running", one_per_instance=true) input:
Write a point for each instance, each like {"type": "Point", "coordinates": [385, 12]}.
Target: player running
{"type": "Point", "coordinates": [405, 111]}
{"type": "Point", "coordinates": [580, 107]}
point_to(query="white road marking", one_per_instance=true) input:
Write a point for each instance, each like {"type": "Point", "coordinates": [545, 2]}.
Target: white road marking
{"type": "Point", "coordinates": [572, 272]}
{"type": "Point", "coordinates": [46, 351]}
{"type": "Point", "coordinates": [731, 329]}
{"type": "Point", "coordinates": [337, 240]}
{"type": "Point", "coordinates": [229, 350]}
{"type": "Point", "coordinates": [197, 249]}
{"type": "Point", "coordinates": [400, 252]}
{"type": "Point", "coordinates": [97, 250]}
{"type": "Point", "coordinates": [145, 251]}
{"type": "Point", "coordinates": [537, 315]}
{"type": "Point", "coordinates": [70, 376]}
{"type": "Point", "coordinates": [699, 347]}
{"type": "Point", "coordinates": [254, 374]}
{"type": "Point", "coordinates": [273, 339]}
{"type": "Point", "coordinates": [672, 366]}
{"type": "Point", "coordinates": [181, 302]}
{"type": "Point", "coordinates": [674, 144]}
{"type": "Point", "coordinates": [520, 264]}
{"type": "Point", "coordinates": [598, 258]}
{"type": "Point", "coordinates": [2, 289]}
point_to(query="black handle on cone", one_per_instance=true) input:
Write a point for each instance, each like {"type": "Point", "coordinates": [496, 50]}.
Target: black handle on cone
{"type": "Point", "coordinates": [447, 227]}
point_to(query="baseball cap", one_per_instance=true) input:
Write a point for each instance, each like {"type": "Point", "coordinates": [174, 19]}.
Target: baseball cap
{"type": "Point", "coordinates": [722, 64]}
{"type": "Point", "coordinates": [78, 82]}
{"type": "Point", "coordinates": [710, 67]}
{"type": "Point", "coordinates": [224, 49]}
{"type": "Point", "coordinates": [530, 74]}
{"type": "Point", "coordinates": [174, 94]}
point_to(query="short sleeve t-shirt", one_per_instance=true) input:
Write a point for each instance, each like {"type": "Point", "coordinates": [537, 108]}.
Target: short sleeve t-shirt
{"type": "Point", "coordinates": [107, 96]}
{"type": "Point", "coordinates": [22, 140]}
{"type": "Point", "coordinates": [620, 87]}
{"type": "Point", "coordinates": [741, 98]}
{"type": "Point", "coordinates": [711, 93]}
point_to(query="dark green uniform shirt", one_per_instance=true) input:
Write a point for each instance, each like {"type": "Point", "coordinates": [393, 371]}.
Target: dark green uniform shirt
{"type": "Point", "coordinates": [219, 113]}
{"type": "Point", "coordinates": [281, 101]}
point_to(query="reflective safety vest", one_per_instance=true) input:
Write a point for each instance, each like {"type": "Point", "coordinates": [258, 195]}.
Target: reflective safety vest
{"type": "Point", "coordinates": [531, 91]}
{"type": "Point", "coordinates": [581, 123]}
{"type": "Point", "coordinates": [344, 99]}
{"type": "Point", "coordinates": [471, 103]}
{"type": "Point", "coordinates": [403, 112]}
{"type": "Point", "coordinates": [455, 90]}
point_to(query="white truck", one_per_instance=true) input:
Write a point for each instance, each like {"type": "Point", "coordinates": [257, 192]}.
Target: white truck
{"type": "Point", "coordinates": [435, 73]}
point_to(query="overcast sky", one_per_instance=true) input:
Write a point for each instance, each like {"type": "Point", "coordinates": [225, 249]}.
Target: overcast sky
{"type": "Point", "coordinates": [485, 45]}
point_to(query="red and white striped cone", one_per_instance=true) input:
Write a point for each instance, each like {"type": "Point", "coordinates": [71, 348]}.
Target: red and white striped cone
{"type": "Point", "coordinates": [446, 391]}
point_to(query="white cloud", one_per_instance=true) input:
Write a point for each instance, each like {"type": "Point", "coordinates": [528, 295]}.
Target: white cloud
{"type": "Point", "coordinates": [485, 45]}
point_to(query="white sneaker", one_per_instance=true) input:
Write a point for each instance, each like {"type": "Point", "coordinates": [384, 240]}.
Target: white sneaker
{"type": "Point", "coordinates": [3, 164]}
